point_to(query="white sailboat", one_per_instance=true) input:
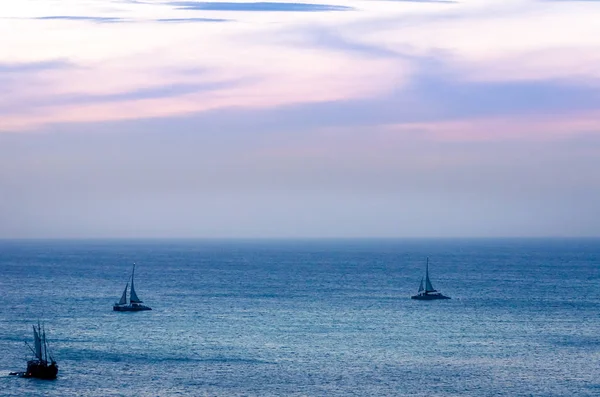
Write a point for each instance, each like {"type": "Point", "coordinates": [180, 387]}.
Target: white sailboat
{"type": "Point", "coordinates": [135, 303]}
{"type": "Point", "coordinates": [427, 292]}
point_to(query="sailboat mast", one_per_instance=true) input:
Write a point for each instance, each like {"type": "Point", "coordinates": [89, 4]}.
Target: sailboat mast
{"type": "Point", "coordinates": [133, 296]}
{"type": "Point", "coordinates": [45, 345]}
{"type": "Point", "coordinates": [132, 289]}
{"type": "Point", "coordinates": [428, 285]}
{"type": "Point", "coordinates": [37, 342]}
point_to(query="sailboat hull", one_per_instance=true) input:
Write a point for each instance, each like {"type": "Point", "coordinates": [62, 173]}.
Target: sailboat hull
{"type": "Point", "coordinates": [41, 370]}
{"type": "Point", "coordinates": [429, 297]}
{"type": "Point", "coordinates": [130, 308]}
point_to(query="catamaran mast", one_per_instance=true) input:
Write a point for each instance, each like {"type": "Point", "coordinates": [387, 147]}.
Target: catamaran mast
{"type": "Point", "coordinates": [428, 285]}
{"type": "Point", "coordinates": [133, 298]}
{"type": "Point", "coordinates": [132, 292]}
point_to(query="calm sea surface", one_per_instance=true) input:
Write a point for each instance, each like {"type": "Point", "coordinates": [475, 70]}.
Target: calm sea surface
{"type": "Point", "coordinates": [305, 318]}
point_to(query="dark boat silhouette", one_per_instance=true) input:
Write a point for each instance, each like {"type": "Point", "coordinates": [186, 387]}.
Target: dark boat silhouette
{"type": "Point", "coordinates": [43, 365]}
{"type": "Point", "coordinates": [427, 292]}
{"type": "Point", "coordinates": [135, 303]}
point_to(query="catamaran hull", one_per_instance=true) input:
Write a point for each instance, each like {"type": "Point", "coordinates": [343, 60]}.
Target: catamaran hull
{"type": "Point", "coordinates": [428, 297]}
{"type": "Point", "coordinates": [130, 308]}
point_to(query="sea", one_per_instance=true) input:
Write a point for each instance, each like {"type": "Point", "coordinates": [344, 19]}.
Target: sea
{"type": "Point", "coordinates": [305, 317]}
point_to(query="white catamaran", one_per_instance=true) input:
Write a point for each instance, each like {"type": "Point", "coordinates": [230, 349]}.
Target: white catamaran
{"type": "Point", "coordinates": [135, 303]}
{"type": "Point", "coordinates": [428, 292]}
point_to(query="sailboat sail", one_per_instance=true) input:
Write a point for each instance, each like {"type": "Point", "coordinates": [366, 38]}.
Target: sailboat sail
{"type": "Point", "coordinates": [134, 298]}
{"type": "Point", "coordinates": [427, 293]}
{"type": "Point", "coordinates": [123, 300]}
{"type": "Point", "coordinates": [45, 344]}
{"type": "Point", "coordinates": [37, 343]}
{"type": "Point", "coordinates": [428, 286]}
{"type": "Point", "coordinates": [135, 303]}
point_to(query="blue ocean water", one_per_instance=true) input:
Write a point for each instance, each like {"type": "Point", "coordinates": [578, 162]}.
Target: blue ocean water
{"type": "Point", "coordinates": [305, 318]}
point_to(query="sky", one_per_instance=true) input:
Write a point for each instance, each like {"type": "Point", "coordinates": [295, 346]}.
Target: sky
{"type": "Point", "coordinates": [356, 118]}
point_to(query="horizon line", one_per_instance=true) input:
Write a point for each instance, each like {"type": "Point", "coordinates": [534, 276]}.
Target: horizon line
{"type": "Point", "coordinates": [270, 238]}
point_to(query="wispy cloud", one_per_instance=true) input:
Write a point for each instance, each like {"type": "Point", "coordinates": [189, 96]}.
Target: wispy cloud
{"type": "Point", "coordinates": [438, 92]}
{"type": "Point", "coordinates": [83, 18]}
{"type": "Point", "coordinates": [126, 97]}
{"type": "Point", "coordinates": [437, 99]}
{"type": "Point", "coordinates": [191, 20]}
{"type": "Point", "coordinates": [18, 67]}
{"type": "Point", "coordinates": [322, 37]}
{"type": "Point", "coordinates": [80, 18]}
{"type": "Point", "coordinates": [162, 91]}
{"type": "Point", "coordinates": [258, 6]}
{"type": "Point", "coordinates": [424, 1]}
{"type": "Point", "coordinates": [16, 77]}
{"type": "Point", "coordinates": [429, 97]}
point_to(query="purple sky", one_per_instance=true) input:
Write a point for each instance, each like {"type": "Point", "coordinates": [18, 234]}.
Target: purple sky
{"type": "Point", "coordinates": [473, 118]}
